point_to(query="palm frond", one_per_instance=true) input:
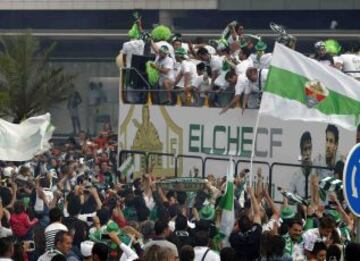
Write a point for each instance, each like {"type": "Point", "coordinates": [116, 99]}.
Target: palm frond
{"type": "Point", "coordinates": [27, 81]}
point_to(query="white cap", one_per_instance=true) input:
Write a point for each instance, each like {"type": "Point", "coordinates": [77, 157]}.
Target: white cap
{"type": "Point", "coordinates": [86, 248]}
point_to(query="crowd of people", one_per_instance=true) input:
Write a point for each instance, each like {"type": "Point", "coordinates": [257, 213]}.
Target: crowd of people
{"type": "Point", "coordinates": [70, 203]}
{"type": "Point", "coordinates": [224, 73]}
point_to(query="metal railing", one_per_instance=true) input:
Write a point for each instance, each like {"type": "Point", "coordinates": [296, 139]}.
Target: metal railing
{"type": "Point", "coordinates": [183, 156]}
{"type": "Point", "coordinates": [145, 93]}
{"type": "Point", "coordinates": [269, 171]}
{"type": "Point", "coordinates": [161, 154]}
{"type": "Point", "coordinates": [257, 162]}
{"type": "Point", "coordinates": [298, 166]}
{"type": "Point", "coordinates": [216, 159]}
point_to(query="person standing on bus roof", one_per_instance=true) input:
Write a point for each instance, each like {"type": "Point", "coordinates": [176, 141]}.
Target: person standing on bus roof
{"type": "Point", "coordinates": [165, 65]}
{"type": "Point", "coordinates": [214, 61]}
{"type": "Point", "coordinates": [321, 55]}
{"type": "Point", "coordinates": [261, 59]}
{"type": "Point", "coordinates": [187, 73]}
{"type": "Point", "coordinates": [244, 61]}
{"type": "Point", "coordinates": [135, 46]}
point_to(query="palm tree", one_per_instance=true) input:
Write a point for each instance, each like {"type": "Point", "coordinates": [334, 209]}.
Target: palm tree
{"type": "Point", "coordinates": [28, 83]}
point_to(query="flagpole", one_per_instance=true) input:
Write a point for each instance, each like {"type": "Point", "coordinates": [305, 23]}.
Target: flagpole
{"type": "Point", "coordinates": [120, 64]}
{"type": "Point", "coordinates": [251, 177]}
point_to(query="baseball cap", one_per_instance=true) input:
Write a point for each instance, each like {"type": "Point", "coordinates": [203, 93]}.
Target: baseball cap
{"type": "Point", "coordinates": [287, 213]}
{"type": "Point", "coordinates": [260, 46]}
{"type": "Point", "coordinates": [164, 49]}
{"type": "Point", "coordinates": [180, 52]}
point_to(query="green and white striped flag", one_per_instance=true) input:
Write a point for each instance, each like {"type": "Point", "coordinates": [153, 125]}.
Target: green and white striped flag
{"type": "Point", "coordinates": [227, 204]}
{"type": "Point", "coordinates": [331, 184]}
{"type": "Point", "coordinates": [127, 168]}
{"type": "Point", "coordinates": [300, 88]}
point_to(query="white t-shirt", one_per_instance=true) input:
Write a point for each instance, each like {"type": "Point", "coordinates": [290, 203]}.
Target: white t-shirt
{"type": "Point", "coordinates": [185, 46]}
{"type": "Point", "coordinates": [256, 88]}
{"type": "Point", "coordinates": [202, 84]}
{"type": "Point", "coordinates": [350, 62]}
{"type": "Point", "coordinates": [132, 47]}
{"type": "Point", "coordinates": [210, 49]}
{"type": "Point", "coordinates": [220, 80]}
{"type": "Point", "coordinates": [310, 237]}
{"type": "Point", "coordinates": [189, 67]}
{"type": "Point", "coordinates": [338, 59]}
{"type": "Point", "coordinates": [167, 63]}
{"type": "Point", "coordinates": [263, 62]}
{"type": "Point", "coordinates": [210, 256]}
{"type": "Point", "coordinates": [242, 85]}
{"type": "Point", "coordinates": [243, 66]}
{"type": "Point", "coordinates": [216, 63]}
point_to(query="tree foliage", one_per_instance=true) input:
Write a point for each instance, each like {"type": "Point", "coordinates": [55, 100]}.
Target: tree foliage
{"type": "Point", "coordinates": [29, 84]}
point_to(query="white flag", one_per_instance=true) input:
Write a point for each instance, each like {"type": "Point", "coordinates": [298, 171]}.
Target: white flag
{"type": "Point", "coordinates": [21, 142]}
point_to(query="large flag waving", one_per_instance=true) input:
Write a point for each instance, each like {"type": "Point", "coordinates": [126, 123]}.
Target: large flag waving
{"type": "Point", "coordinates": [21, 142]}
{"type": "Point", "coordinates": [300, 88]}
{"type": "Point", "coordinates": [227, 203]}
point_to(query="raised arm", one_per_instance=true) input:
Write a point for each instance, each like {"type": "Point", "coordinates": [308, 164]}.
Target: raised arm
{"type": "Point", "coordinates": [13, 194]}
{"type": "Point", "coordinates": [129, 253]}
{"type": "Point", "coordinates": [245, 101]}
{"type": "Point", "coordinates": [233, 32]}
{"type": "Point", "coordinates": [271, 203]}
{"type": "Point", "coordinates": [259, 184]}
{"type": "Point", "coordinates": [255, 206]}
{"type": "Point", "coordinates": [342, 212]}
{"type": "Point", "coordinates": [139, 25]}
{"type": "Point", "coordinates": [95, 194]}
{"type": "Point", "coordinates": [315, 197]}
{"type": "Point", "coordinates": [154, 47]}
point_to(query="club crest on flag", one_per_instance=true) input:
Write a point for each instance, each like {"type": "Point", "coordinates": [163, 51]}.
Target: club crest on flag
{"type": "Point", "coordinates": [315, 93]}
